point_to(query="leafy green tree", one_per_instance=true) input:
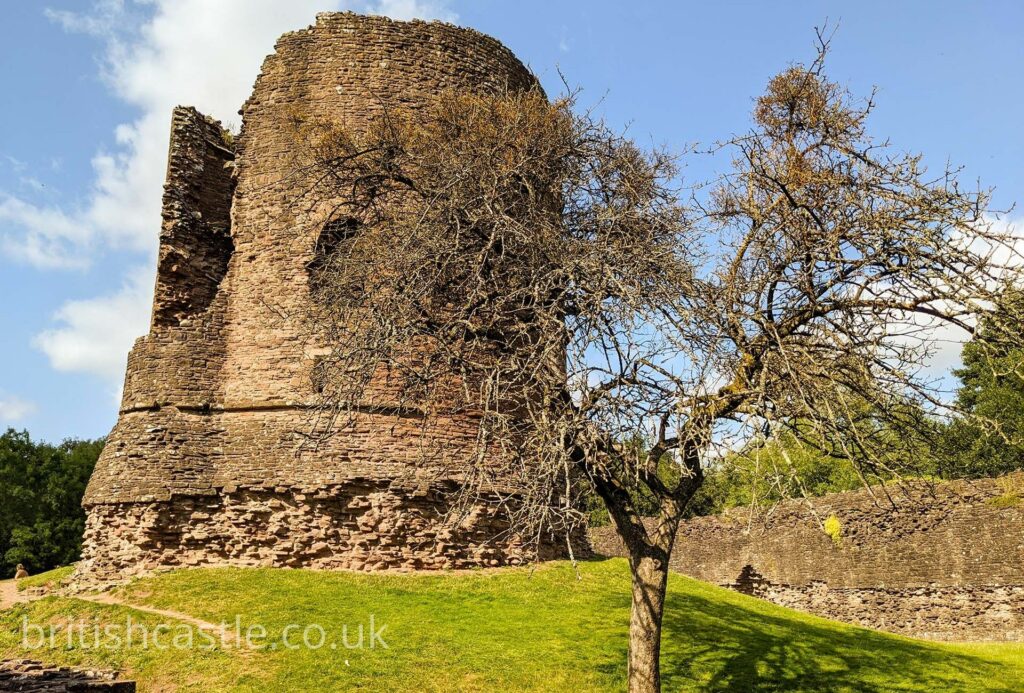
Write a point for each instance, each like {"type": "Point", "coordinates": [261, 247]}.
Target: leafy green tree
{"type": "Point", "coordinates": [779, 469]}
{"type": "Point", "coordinates": [989, 440]}
{"type": "Point", "coordinates": [41, 489]}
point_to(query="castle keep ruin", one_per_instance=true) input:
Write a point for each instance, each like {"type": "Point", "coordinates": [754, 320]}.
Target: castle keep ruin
{"type": "Point", "coordinates": [206, 463]}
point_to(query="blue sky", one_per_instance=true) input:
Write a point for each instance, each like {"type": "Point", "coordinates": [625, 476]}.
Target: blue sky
{"type": "Point", "coordinates": [88, 88]}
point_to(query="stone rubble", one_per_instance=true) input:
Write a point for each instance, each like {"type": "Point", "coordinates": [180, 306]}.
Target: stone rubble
{"type": "Point", "coordinates": [27, 676]}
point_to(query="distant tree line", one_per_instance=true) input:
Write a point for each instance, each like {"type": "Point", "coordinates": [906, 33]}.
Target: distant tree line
{"type": "Point", "coordinates": [41, 489]}
{"type": "Point", "coordinates": [991, 440]}
{"type": "Point", "coordinates": [985, 439]}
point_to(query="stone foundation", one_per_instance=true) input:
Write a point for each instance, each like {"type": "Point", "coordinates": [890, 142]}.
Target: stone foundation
{"type": "Point", "coordinates": [358, 525]}
{"type": "Point", "coordinates": [975, 612]}
{"type": "Point", "coordinates": [34, 677]}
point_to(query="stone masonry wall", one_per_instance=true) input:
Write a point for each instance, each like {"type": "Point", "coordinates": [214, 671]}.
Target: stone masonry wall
{"type": "Point", "coordinates": [209, 461]}
{"type": "Point", "coordinates": [27, 676]}
{"type": "Point", "coordinates": [935, 560]}
{"type": "Point", "coordinates": [362, 524]}
{"type": "Point", "coordinates": [195, 240]}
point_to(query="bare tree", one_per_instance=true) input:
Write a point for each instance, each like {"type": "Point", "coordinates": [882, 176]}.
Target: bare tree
{"type": "Point", "coordinates": [511, 256]}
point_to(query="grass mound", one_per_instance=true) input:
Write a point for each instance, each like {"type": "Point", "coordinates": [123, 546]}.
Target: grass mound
{"type": "Point", "coordinates": [48, 580]}
{"type": "Point", "coordinates": [503, 630]}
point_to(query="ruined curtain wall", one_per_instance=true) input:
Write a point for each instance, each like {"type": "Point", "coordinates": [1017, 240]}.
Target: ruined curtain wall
{"type": "Point", "coordinates": [942, 561]}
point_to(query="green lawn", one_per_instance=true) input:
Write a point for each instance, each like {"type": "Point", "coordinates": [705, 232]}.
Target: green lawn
{"type": "Point", "coordinates": [49, 579]}
{"type": "Point", "coordinates": [508, 630]}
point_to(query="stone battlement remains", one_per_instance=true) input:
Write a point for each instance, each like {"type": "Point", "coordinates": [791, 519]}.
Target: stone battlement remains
{"type": "Point", "coordinates": [934, 560]}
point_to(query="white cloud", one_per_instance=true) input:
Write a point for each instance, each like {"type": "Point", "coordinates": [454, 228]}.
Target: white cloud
{"type": "Point", "coordinates": [94, 335]}
{"type": "Point", "coordinates": [157, 54]}
{"type": "Point", "coordinates": [1007, 257]}
{"type": "Point", "coordinates": [195, 52]}
{"type": "Point", "coordinates": [13, 409]}
{"type": "Point", "coordinates": [16, 164]}
{"type": "Point", "coordinates": [944, 340]}
{"type": "Point", "coordinates": [47, 234]}
{"type": "Point", "coordinates": [101, 21]}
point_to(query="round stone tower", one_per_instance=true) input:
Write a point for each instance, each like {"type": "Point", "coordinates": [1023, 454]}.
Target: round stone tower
{"type": "Point", "coordinates": [208, 463]}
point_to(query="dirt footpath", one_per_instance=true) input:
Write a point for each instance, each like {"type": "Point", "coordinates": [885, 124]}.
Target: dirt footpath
{"type": "Point", "coordinates": [9, 594]}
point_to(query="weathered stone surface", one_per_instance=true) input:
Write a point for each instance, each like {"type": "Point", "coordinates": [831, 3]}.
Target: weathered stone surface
{"type": "Point", "coordinates": [33, 677]}
{"type": "Point", "coordinates": [936, 560]}
{"type": "Point", "coordinates": [360, 524]}
{"type": "Point", "coordinates": [206, 463]}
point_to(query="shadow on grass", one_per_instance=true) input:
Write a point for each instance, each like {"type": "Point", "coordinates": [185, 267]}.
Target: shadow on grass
{"type": "Point", "coordinates": [738, 645]}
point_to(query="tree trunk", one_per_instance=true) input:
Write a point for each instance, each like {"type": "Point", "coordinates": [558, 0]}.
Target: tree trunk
{"type": "Point", "coordinates": [650, 577]}
{"type": "Point", "coordinates": [649, 547]}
